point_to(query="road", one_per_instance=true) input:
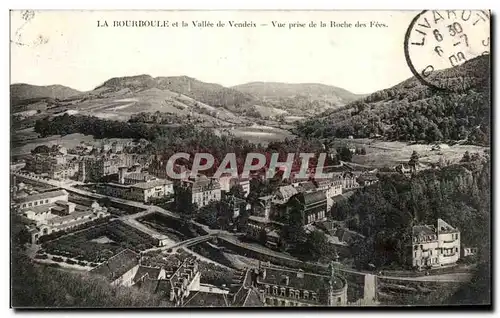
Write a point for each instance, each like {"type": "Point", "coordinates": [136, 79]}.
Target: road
{"type": "Point", "coordinates": [453, 277]}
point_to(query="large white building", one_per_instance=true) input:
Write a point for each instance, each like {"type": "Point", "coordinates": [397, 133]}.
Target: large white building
{"type": "Point", "coordinates": [435, 246]}
{"type": "Point", "coordinates": [51, 212]}
{"type": "Point", "coordinates": [203, 190]}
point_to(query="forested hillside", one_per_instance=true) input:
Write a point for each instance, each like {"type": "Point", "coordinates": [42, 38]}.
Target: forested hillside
{"type": "Point", "coordinates": [386, 211]}
{"type": "Point", "coordinates": [412, 111]}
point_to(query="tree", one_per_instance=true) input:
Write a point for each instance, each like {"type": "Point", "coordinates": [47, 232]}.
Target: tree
{"type": "Point", "coordinates": [414, 159]}
{"type": "Point", "coordinates": [317, 244]}
{"type": "Point", "coordinates": [466, 157]}
{"type": "Point", "coordinates": [41, 149]}
{"type": "Point", "coordinates": [344, 154]}
{"type": "Point", "coordinates": [237, 191]}
{"type": "Point", "coordinates": [208, 215]}
{"type": "Point", "coordinates": [183, 202]}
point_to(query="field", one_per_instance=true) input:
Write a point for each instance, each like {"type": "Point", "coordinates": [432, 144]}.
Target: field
{"type": "Point", "coordinates": [31, 141]}
{"type": "Point", "coordinates": [83, 245]}
{"type": "Point", "coordinates": [261, 134]}
{"type": "Point", "coordinates": [389, 153]}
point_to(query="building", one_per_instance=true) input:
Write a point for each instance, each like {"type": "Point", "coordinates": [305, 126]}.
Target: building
{"type": "Point", "coordinates": [284, 193]}
{"type": "Point", "coordinates": [235, 206]}
{"type": "Point", "coordinates": [202, 190]}
{"type": "Point", "coordinates": [291, 288]}
{"type": "Point", "coordinates": [43, 199]}
{"type": "Point", "coordinates": [50, 212]}
{"type": "Point", "coordinates": [332, 188]}
{"type": "Point", "coordinates": [257, 226]}
{"type": "Point", "coordinates": [305, 186]}
{"type": "Point", "coordinates": [435, 246]}
{"type": "Point", "coordinates": [227, 181]}
{"type": "Point", "coordinates": [311, 206]}
{"type": "Point", "coordinates": [94, 168]}
{"type": "Point", "coordinates": [119, 269]}
{"type": "Point", "coordinates": [262, 207]}
{"type": "Point", "coordinates": [367, 179]}
{"type": "Point", "coordinates": [408, 169]}
{"type": "Point", "coordinates": [142, 191]}
{"type": "Point", "coordinates": [151, 190]}
{"type": "Point", "coordinates": [55, 166]}
{"type": "Point", "coordinates": [469, 251]}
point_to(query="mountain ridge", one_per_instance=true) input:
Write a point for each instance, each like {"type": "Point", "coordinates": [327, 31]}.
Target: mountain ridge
{"type": "Point", "coordinates": [24, 91]}
{"type": "Point", "coordinates": [412, 111]}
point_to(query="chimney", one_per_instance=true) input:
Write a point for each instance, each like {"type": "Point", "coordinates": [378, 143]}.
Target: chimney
{"type": "Point", "coordinates": [287, 280]}
{"type": "Point", "coordinates": [121, 174]}
{"type": "Point", "coordinates": [70, 207]}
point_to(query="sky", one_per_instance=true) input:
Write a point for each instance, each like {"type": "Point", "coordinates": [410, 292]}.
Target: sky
{"type": "Point", "coordinates": [68, 48]}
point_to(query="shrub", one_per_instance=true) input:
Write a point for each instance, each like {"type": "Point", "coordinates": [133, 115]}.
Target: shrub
{"type": "Point", "coordinates": [70, 261]}
{"type": "Point", "coordinates": [57, 259]}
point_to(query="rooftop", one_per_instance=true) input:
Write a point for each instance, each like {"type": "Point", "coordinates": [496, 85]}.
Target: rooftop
{"type": "Point", "coordinates": [146, 272]}
{"type": "Point", "coordinates": [299, 279]}
{"type": "Point", "coordinates": [151, 184]}
{"type": "Point", "coordinates": [419, 230]}
{"type": "Point", "coordinates": [117, 265]}
{"type": "Point", "coordinates": [306, 186]}
{"type": "Point", "coordinates": [69, 217]}
{"type": "Point", "coordinates": [444, 227]}
{"type": "Point", "coordinates": [206, 299]}
{"type": "Point", "coordinates": [42, 196]}
{"type": "Point", "coordinates": [286, 192]}
{"type": "Point", "coordinates": [311, 197]}
{"type": "Point", "coordinates": [143, 176]}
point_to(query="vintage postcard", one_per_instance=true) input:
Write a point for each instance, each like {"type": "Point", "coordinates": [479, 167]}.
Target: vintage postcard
{"type": "Point", "coordinates": [250, 158]}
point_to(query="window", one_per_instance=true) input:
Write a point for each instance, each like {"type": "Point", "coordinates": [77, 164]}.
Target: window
{"type": "Point", "coordinates": [282, 291]}
{"type": "Point", "coordinates": [339, 299]}
{"type": "Point", "coordinates": [306, 294]}
{"type": "Point", "coordinates": [24, 205]}
{"type": "Point", "coordinates": [36, 203]}
{"type": "Point", "coordinates": [275, 290]}
{"type": "Point", "coordinates": [46, 201]}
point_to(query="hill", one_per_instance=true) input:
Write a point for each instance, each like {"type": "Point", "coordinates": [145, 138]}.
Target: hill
{"type": "Point", "coordinates": [412, 111]}
{"type": "Point", "coordinates": [26, 92]}
{"type": "Point", "coordinates": [298, 99]}
{"type": "Point", "coordinates": [177, 99]}
{"type": "Point", "coordinates": [208, 93]}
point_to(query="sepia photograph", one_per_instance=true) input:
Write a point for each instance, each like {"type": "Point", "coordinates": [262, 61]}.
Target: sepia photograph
{"type": "Point", "coordinates": [250, 158]}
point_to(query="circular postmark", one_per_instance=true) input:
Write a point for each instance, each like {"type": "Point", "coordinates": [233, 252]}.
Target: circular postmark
{"type": "Point", "coordinates": [445, 39]}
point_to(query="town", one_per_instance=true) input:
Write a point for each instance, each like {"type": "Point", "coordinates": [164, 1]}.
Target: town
{"type": "Point", "coordinates": [107, 208]}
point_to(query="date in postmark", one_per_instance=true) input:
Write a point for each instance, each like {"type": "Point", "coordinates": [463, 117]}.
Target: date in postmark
{"type": "Point", "coordinates": [442, 39]}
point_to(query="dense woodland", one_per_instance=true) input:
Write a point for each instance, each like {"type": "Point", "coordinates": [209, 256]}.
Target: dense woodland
{"type": "Point", "coordinates": [412, 111]}
{"type": "Point", "coordinates": [386, 211]}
